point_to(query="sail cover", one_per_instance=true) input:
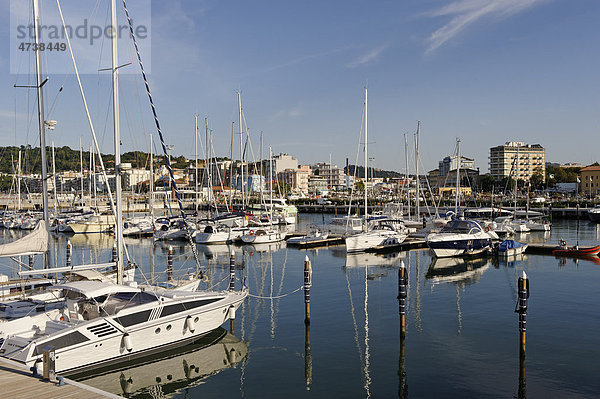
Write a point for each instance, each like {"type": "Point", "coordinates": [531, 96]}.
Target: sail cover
{"type": "Point", "coordinates": [34, 243]}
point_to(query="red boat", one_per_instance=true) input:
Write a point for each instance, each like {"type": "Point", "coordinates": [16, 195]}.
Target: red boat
{"type": "Point", "coordinates": [564, 250]}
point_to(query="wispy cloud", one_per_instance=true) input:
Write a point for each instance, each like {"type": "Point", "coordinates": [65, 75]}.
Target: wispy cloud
{"type": "Point", "coordinates": [287, 113]}
{"type": "Point", "coordinates": [305, 58]}
{"type": "Point", "coordinates": [370, 56]}
{"type": "Point", "coordinates": [467, 12]}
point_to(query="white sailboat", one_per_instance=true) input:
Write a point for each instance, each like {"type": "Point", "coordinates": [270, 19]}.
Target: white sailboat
{"type": "Point", "coordinates": [376, 235]}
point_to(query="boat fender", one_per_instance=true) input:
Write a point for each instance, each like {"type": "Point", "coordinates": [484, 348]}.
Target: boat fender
{"type": "Point", "coordinates": [562, 243]}
{"type": "Point", "coordinates": [189, 322]}
{"type": "Point", "coordinates": [232, 312]}
{"type": "Point", "coordinates": [127, 344]}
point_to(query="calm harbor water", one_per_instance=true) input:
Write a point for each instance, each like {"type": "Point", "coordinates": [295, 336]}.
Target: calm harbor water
{"type": "Point", "coordinates": [461, 339]}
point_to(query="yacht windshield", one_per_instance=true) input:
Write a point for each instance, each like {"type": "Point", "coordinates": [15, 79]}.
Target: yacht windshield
{"type": "Point", "coordinates": [460, 226]}
{"type": "Point", "coordinates": [122, 300]}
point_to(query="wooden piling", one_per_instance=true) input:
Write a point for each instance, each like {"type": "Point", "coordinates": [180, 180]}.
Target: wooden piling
{"type": "Point", "coordinates": [170, 263]}
{"type": "Point", "coordinates": [307, 285]}
{"type": "Point", "coordinates": [307, 358]}
{"type": "Point", "coordinates": [523, 294]}
{"type": "Point", "coordinates": [114, 253]}
{"type": "Point", "coordinates": [402, 294]}
{"type": "Point", "coordinates": [232, 271]}
{"type": "Point", "coordinates": [68, 250]}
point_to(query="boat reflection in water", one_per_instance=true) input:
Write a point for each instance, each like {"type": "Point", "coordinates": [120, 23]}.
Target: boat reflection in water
{"type": "Point", "coordinates": [175, 370]}
{"type": "Point", "coordinates": [371, 259]}
{"type": "Point", "coordinates": [454, 270]}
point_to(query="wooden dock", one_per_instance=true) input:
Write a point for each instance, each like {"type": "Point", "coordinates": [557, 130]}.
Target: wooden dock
{"type": "Point", "coordinates": [18, 383]}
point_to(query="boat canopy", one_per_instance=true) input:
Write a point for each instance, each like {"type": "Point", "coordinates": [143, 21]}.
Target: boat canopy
{"type": "Point", "coordinates": [34, 243]}
{"type": "Point", "coordinates": [460, 226]}
{"type": "Point", "coordinates": [92, 289]}
{"type": "Point", "coordinates": [509, 244]}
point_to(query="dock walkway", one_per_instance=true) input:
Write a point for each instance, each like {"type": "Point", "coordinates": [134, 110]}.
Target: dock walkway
{"type": "Point", "coordinates": [18, 383]}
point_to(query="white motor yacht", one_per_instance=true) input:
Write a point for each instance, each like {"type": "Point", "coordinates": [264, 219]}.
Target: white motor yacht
{"type": "Point", "coordinates": [105, 324]}
{"type": "Point", "coordinates": [380, 235]}
{"type": "Point", "coordinates": [458, 238]}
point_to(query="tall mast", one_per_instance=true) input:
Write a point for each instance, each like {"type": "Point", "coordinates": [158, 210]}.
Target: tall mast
{"type": "Point", "coordinates": [152, 180]}
{"type": "Point", "coordinates": [241, 147]}
{"type": "Point", "coordinates": [231, 166]}
{"type": "Point", "coordinates": [54, 179]}
{"type": "Point", "coordinates": [406, 174]}
{"type": "Point", "coordinates": [366, 150]}
{"type": "Point", "coordinates": [261, 168]}
{"type": "Point", "coordinates": [81, 169]}
{"type": "Point", "coordinates": [516, 180]}
{"type": "Point", "coordinates": [93, 151]}
{"type": "Point", "coordinates": [417, 189]}
{"type": "Point", "coordinates": [90, 175]}
{"type": "Point", "coordinates": [271, 182]}
{"type": "Point", "coordinates": [196, 157]}
{"type": "Point", "coordinates": [456, 200]}
{"type": "Point", "coordinates": [19, 181]}
{"type": "Point", "coordinates": [115, 89]}
{"type": "Point", "coordinates": [40, 95]}
{"type": "Point", "coordinates": [207, 166]}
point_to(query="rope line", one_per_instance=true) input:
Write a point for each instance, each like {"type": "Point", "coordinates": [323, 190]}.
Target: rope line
{"type": "Point", "coordinates": [278, 296]}
{"type": "Point", "coordinates": [160, 135]}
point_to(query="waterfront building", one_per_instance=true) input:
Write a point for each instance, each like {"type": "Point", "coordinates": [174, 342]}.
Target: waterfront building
{"type": "Point", "coordinates": [590, 181]}
{"type": "Point", "coordinates": [297, 179]}
{"type": "Point", "coordinates": [531, 160]}
{"type": "Point", "coordinates": [451, 162]}
{"type": "Point", "coordinates": [317, 185]}
{"type": "Point", "coordinates": [334, 175]}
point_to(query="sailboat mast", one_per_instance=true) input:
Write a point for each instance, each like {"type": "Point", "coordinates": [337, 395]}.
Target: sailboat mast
{"type": "Point", "coordinates": [271, 182]}
{"type": "Point", "coordinates": [195, 157]}
{"type": "Point", "coordinates": [516, 180]}
{"type": "Point", "coordinates": [456, 200]}
{"type": "Point", "coordinates": [366, 151]}
{"type": "Point", "coordinates": [418, 188]}
{"type": "Point", "coordinates": [40, 95]}
{"type": "Point", "coordinates": [207, 166]}
{"type": "Point", "coordinates": [54, 179]}
{"type": "Point", "coordinates": [152, 181]}
{"type": "Point", "coordinates": [241, 147]}
{"type": "Point", "coordinates": [117, 138]}
{"type": "Point", "coordinates": [406, 174]}
{"type": "Point", "coordinates": [81, 170]}
{"type": "Point", "coordinates": [19, 181]}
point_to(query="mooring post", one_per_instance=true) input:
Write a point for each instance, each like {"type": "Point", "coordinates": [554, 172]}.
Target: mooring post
{"type": "Point", "coordinates": [523, 294]}
{"type": "Point", "coordinates": [402, 294]}
{"type": "Point", "coordinates": [307, 284]}
{"type": "Point", "coordinates": [232, 271]}
{"type": "Point", "coordinates": [114, 253]}
{"type": "Point", "coordinates": [307, 358]}
{"type": "Point", "coordinates": [68, 262]}
{"type": "Point", "coordinates": [170, 263]}
{"type": "Point", "coordinates": [30, 262]}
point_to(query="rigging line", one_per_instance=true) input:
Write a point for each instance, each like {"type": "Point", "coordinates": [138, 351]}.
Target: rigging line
{"type": "Point", "coordinates": [160, 135]}
{"type": "Point", "coordinates": [91, 125]}
{"type": "Point", "coordinates": [362, 124]}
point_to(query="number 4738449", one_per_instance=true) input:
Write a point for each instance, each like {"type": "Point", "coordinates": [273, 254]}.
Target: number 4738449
{"type": "Point", "coordinates": [57, 46]}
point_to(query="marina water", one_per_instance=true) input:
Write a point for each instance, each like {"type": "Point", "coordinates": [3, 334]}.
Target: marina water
{"type": "Point", "coordinates": [461, 339]}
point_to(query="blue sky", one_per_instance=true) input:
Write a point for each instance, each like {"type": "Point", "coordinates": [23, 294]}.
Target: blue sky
{"type": "Point", "coordinates": [487, 71]}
